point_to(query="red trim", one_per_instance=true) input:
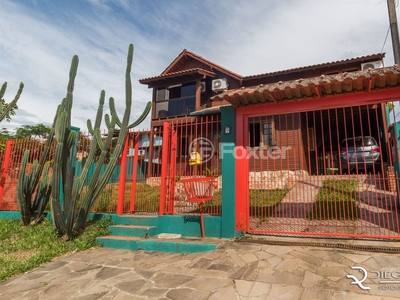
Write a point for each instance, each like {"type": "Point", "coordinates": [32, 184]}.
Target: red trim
{"type": "Point", "coordinates": [164, 167]}
{"type": "Point", "coordinates": [172, 171]}
{"type": "Point", "coordinates": [4, 167]}
{"type": "Point", "coordinates": [134, 172]}
{"type": "Point", "coordinates": [242, 190]}
{"type": "Point", "coordinates": [122, 178]}
{"type": "Point", "coordinates": [355, 99]}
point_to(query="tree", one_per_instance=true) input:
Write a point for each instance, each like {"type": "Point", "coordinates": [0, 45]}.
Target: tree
{"type": "Point", "coordinates": [39, 131]}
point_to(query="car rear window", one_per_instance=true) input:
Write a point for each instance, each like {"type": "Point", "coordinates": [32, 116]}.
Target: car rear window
{"type": "Point", "coordinates": [358, 142]}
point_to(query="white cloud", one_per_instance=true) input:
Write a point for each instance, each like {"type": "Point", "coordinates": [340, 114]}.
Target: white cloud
{"type": "Point", "coordinates": [38, 40]}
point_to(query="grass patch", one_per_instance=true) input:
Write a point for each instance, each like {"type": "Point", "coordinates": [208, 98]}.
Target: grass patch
{"type": "Point", "coordinates": [147, 198]}
{"type": "Point", "coordinates": [23, 248]}
{"type": "Point", "coordinates": [263, 202]}
{"type": "Point", "coordinates": [214, 206]}
{"type": "Point", "coordinates": [336, 201]}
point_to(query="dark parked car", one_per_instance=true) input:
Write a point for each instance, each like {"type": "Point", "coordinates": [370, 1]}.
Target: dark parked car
{"type": "Point", "coordinates": [362, 152]}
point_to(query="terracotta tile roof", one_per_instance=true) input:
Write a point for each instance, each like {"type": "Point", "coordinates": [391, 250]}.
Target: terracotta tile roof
{"type": "Point", "coordinates": [316, 87]}
{"type": "Point", "coordinates": [378, 56]}
{"type": "Point", "coordinates": [174, 74]}
{"type": "Point", "coordinates": [208, 110]}
{"type": "Point", "coordinates": [202, 60]}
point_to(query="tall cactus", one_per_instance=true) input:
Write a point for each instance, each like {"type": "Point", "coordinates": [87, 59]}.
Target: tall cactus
{"type": "Point", "coordinates": [4, 111]}
{"type": "Point", "coordinates": [37, 181]}
{"type": "Point", "coordinates": [67, 220]}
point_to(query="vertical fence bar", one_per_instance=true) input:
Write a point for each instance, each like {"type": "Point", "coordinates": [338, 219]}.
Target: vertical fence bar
{"type": "Point", "coordinates": [4, 168]}
{"type": "Point", "coordinates": [134, 172]}
{"type": "Point", "coordinates": [164, 167]}
{"type": "Point", "coordinates": [242, 189]}
{"type": "Point", "coordinates": [122, 178]}
{"type": "Point", "coordinates": [172, 171]}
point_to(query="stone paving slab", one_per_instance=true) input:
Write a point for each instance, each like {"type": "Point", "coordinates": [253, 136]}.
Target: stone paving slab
{"type": "Point", "coordinates": [233, 271]}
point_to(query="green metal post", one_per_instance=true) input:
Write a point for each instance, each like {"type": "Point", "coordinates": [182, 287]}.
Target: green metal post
{"type": "Point", "coordinates": [228, 142]}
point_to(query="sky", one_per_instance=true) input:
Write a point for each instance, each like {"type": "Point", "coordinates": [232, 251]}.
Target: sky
{"type": "Point", "coordinates": [38, 39]}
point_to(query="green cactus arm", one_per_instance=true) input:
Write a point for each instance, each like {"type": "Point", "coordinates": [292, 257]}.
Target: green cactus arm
{"type": "Point", "coordinates": [3, 90]}
{"type": "Point", "coordinates": [24, 203]}
{"type": "Point", "coordinates": [89, 202]}
{"type": "Point", "coordinates": [5, 110]}
{"type": "Point", "coordinates": [71, 139]}
{"type": "Point", "coordinates": [99, 113]}
{"type": "Point", "coordinates": [143, 116]}
{"type": "Point", "coordinates": [55, 207]}
{"type": "Point", "coordinates": [88, 161]}
{"type": "Point", "coordinates": [99, 141]}
{"type": "Point", "coordinates": [61, 126]}
{"type": "Point", "coordinates": [107, 121]}
{"type": "Point", "coordinates": [89, 126]}
{"type": "Point", "coordinates": [113, 112]}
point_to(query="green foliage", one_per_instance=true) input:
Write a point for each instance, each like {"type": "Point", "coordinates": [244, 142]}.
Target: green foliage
{"type": "Point", "coordinates": [210, 171]}
{"type": "Point", "coordinates": [7, 110]}
{"type": "Point", "coordinates": [5, 135]}
{"type": "Point", "coordinates": [266, 198]}
{"type": "Point", "coordinates": [39, 131]}
{"type": "Point", "coordinates": [24, 248]}
{"type": "Point", "coordinates": [347, 185]}
{"type": "Point", "coordinates": [147, 198]}
{"type": "Point", "coordinates": [390, 106]}
{"type": "Point", "coordinates": [336, 201]}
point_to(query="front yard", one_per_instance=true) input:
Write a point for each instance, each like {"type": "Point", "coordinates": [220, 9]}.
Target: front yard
{"type": "Point", "coordinates": [23, 248]}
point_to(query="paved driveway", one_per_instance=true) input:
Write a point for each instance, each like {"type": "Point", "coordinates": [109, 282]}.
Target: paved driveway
{"type": "Point", "coordinates": [234, 271]}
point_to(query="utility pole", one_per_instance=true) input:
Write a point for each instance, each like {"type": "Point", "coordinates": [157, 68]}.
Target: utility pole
{"type": "Point", "coordinates": [394, 30]}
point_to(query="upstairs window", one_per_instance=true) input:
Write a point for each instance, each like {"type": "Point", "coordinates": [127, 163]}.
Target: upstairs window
{"type": "Point", "coordinates": [175, 100]}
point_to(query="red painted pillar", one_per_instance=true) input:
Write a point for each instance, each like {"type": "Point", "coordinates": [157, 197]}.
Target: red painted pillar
{"type": "Point", "coordinates": [242, 189]}
{"type": "Point", "coordinates": [122, 178]}
{"type": "Point", "coordinates": [164, 167]}
{"type": "Point", "coordinates": [134, 173]}
{"type": "Point", "coordinates": [4, 168]}
{"type": "Point", "coordinates": [172, 171]}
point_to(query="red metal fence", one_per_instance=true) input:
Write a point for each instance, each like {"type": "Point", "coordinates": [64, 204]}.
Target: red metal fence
{"type": "Point", "coordinates": [146, 179]}
{"type": "Point", "coordinates": [163, 159]}
{"type": "Point", "coordinates": [331, 172]}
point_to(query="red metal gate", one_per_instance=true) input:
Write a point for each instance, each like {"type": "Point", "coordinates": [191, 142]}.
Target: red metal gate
{"type": "Point", "coordinates": [190, 149]}
{"type": "Point", "coordinates": [326, 172]}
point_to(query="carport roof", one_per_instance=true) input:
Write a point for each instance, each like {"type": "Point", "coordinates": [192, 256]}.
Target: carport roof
{"type": "Point", "coordinates": [322, 86]}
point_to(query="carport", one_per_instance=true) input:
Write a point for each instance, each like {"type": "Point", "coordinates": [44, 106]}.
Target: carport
{"type": "Point", "coordinates": [305, 191]}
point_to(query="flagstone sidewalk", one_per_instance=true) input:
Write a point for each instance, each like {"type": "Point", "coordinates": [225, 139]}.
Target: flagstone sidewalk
{"type": "Point", "coordinates": [233, 271]}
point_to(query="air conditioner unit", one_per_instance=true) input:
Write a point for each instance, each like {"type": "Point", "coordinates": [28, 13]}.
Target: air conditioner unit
{"type": "Point", "coordinates": [219, 84]}
{"type": "Point", "coordinates": [372, 65]}
{"type": "Point", "coordinates": [203, 86]}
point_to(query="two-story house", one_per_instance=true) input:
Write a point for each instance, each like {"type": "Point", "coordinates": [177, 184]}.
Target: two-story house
{"type": "Point", "coordinates": [191, 90]}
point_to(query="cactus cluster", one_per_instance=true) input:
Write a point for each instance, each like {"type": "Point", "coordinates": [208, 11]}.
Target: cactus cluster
{"type": "Point", "coordinates": [64, 190]}
{"type": "Point", "coordinates": [4, 111]}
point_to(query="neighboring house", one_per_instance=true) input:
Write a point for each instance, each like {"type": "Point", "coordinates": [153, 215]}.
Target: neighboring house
{"type": "Point", "coordinates": [271, 111]}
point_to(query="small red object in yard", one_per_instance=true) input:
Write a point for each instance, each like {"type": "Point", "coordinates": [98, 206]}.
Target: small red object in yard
{"type": "Point", "coordinates": [199, 190]}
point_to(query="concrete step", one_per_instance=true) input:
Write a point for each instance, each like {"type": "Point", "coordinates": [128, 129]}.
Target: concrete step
{"type": "Point", "coordinates": [142, 220]}
{"type": "Point", "coordinates": [133, 230]}
{"type": "Point", "coordinates": [159, 245]}
{"type": "Point", "coordinates": [118, 242]}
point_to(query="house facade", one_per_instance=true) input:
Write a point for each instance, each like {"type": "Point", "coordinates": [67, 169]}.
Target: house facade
{"type": "Point", "coordinates": [192, 89]}
{"type": "Point", "coordinates": [311, 145]}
